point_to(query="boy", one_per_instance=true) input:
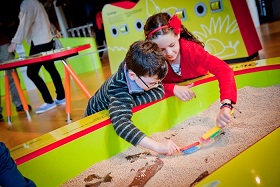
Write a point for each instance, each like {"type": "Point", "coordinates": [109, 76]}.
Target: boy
{"type": "Point", "coordinates": [137, 82]}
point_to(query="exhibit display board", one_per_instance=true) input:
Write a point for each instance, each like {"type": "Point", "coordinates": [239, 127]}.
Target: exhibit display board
{"type": "Point", "coordinates": [225, 27]}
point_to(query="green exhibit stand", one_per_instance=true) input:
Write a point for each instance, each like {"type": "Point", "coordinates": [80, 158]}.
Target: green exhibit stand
{"type": "Point", "coordinates": [55, 157]}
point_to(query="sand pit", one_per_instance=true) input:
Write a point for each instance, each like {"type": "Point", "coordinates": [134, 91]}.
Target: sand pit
{"type": "Point", "coordinates": [260, 115]}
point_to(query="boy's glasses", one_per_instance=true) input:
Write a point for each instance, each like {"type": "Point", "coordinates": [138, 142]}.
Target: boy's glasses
{"type": "Point", "coordinates": [151, 85]}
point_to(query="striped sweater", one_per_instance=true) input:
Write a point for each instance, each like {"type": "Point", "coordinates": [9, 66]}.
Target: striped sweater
{"type": "Point", "coordinates": [114, 95]}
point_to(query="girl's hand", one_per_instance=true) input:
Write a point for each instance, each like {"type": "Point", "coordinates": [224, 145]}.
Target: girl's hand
{"type": "Point", "coordinates": [184, 92]}
{"type": "Point", "coordinates": [223, 117]}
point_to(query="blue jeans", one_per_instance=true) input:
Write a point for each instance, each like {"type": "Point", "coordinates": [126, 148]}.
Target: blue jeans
{"type": "Point", "coordinates": [4, 56]}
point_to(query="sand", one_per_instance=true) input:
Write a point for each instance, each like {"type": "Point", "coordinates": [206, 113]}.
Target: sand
{"type": "Point", "coordinates": [260, 115]}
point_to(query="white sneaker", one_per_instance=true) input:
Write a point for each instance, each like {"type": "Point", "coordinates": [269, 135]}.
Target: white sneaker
{"type": "Point", "coordinates": [60, 102]}
{"type": "Point", "coordinates": [45, 107]}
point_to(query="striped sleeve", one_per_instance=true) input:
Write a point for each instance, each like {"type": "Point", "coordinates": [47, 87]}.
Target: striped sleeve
{"type": "Point", "coordinates": [120, 110]}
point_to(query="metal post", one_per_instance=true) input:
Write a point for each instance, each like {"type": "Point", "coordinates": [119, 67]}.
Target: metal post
{"type": "Point", "coordinates": [61, 20]}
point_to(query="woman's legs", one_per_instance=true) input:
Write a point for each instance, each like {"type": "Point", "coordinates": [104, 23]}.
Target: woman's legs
{"type": "Point", "coordinates": [33, 74]}
{"type": "Point", "coordinates": [50, 67]}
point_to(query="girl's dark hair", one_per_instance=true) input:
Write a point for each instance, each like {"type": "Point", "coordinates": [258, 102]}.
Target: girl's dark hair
{"type": "Point", "coordinates": [145, 58]}
{"type": "Point", "coordinates": [161, 19]}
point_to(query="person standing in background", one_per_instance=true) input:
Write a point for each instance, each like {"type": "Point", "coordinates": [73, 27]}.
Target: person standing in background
{"type": "Point", "coordinates": [34, 26]}
{"type": "Point", "coordinates": [5, 56]}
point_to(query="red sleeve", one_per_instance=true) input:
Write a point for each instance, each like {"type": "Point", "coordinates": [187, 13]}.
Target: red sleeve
{"type": "Point", "coordinates": [168, 89]}
{"type": "Point", "coordinates": [217, 67]}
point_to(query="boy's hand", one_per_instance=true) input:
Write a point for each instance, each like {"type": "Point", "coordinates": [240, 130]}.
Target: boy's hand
{"type": "Point", "coordinates": [167, 148]}
{"type": "Point", "coordinates": [223, 117]}
{"type": "Point", "coordinates": [184, 92]}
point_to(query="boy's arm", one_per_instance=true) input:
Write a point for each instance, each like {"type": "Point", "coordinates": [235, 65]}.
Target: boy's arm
{"type": "Point", "coordinates": [120, 111]}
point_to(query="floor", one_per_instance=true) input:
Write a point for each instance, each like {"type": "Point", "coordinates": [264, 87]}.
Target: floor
{"type": "Point", "coordinates": [22, 130]}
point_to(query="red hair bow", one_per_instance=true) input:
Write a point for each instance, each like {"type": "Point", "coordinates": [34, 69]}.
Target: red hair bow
{"type": "Point", "coordinates": [175, 23]}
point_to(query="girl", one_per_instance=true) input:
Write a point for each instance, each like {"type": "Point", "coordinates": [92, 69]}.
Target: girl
{"type": "Point", "coordinates": [187, 59]}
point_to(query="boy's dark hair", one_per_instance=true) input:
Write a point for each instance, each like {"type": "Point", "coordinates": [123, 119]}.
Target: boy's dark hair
{"type": "Point", "coordinates": [160, 19]}
{"type": "Point", "coordinates": [145, 58]}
